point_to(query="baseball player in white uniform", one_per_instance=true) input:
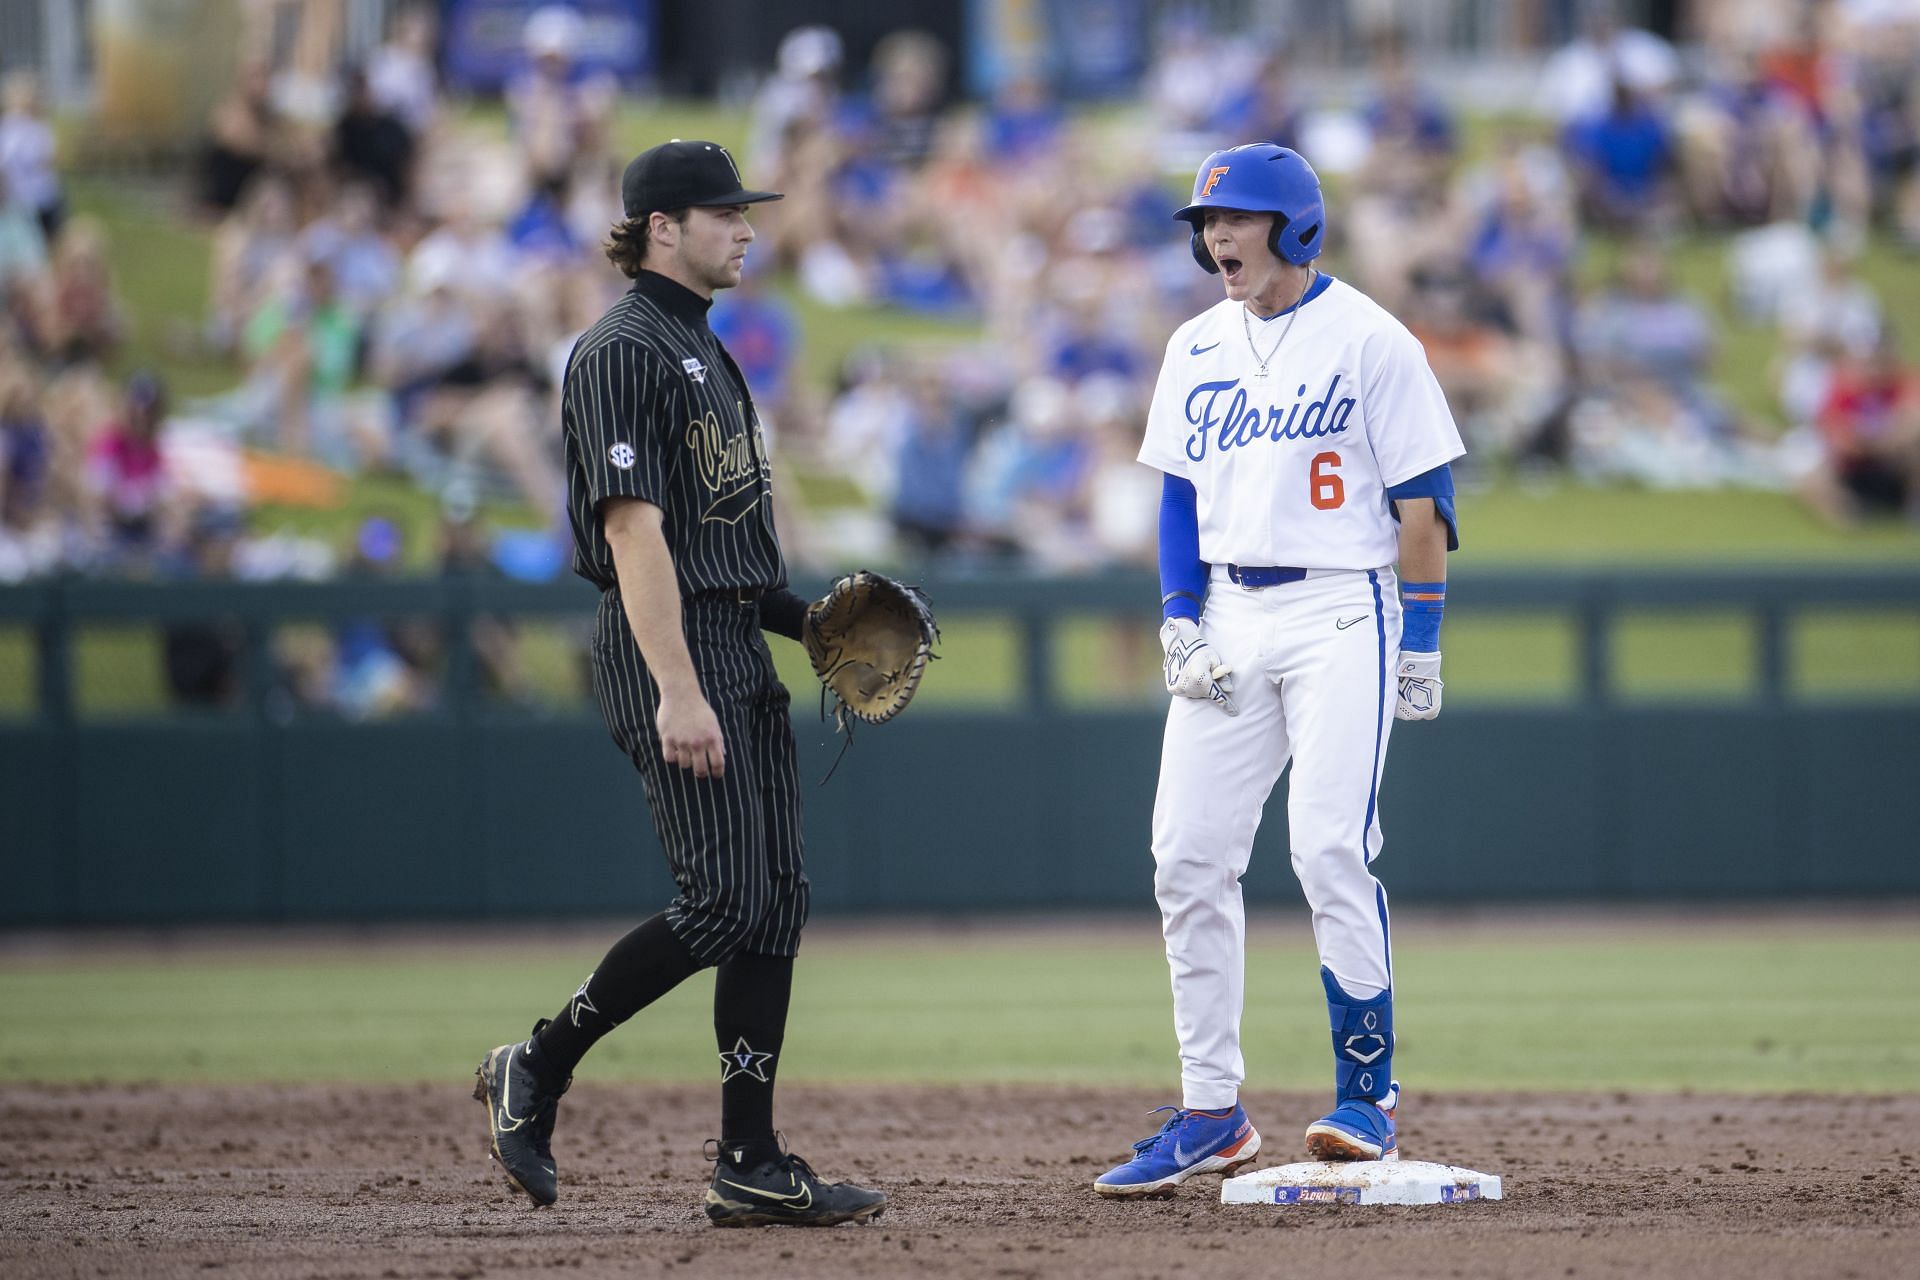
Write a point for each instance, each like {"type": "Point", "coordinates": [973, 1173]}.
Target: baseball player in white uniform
{"type": "Point", "coordinates": [1305, 447]}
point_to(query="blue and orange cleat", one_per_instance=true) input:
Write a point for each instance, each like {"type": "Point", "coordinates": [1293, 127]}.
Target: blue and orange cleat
{"type": "Point", "coordinates": [1357, 1129]}
{"type": "Point", "coordinates": [1192, 1142]}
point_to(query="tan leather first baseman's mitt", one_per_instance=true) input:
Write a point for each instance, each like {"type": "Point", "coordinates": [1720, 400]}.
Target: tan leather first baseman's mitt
{"type": "Point", "coordinates": [870, 639]}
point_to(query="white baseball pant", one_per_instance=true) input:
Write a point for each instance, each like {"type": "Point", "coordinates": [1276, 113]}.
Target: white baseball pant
{"type": "Point", "coordinates": [1313, 678]}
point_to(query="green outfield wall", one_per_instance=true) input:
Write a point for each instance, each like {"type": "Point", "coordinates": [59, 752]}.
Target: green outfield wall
{"type": "Point", "coordinates": [1606, 736]}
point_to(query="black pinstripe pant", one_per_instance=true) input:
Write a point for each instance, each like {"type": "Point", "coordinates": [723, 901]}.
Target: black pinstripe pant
{"type": "Point", "coordinates": [733, 843]}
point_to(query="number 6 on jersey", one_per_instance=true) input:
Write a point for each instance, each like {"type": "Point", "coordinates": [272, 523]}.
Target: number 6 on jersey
{"type": "Point", "coordinates": [1327, 492]}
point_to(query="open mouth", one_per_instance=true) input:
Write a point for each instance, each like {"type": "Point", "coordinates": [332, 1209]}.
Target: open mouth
{"type": "Point", "coordinates": [1229, 267]}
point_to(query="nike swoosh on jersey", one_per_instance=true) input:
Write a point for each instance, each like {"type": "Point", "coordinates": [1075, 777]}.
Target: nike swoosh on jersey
{"type": "Point", "coordinates": [1343, 623]}
{"type": "Point", "coordinates": [1200, 351]}
{"type": "Point", "coordinates": [803, 1197]}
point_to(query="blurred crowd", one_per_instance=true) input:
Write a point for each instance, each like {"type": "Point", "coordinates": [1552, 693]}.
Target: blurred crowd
{"type": "Point", "coordinates": [371, 666]}
{"type": "Point", "coordinates": [1539, 272]}
{"type": "Point", "coordinates": [398, 285]}
{"type": "Point", "coordinates": [396, 289]}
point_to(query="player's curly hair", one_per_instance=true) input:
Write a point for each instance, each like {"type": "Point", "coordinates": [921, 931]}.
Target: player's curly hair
{"type": "Point", "coordinates": [627, 241]}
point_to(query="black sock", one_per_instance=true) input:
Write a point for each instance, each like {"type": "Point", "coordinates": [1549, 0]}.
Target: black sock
{"type": "Point", "coordinates": [641, 967]}
{"type": "Point", "coordinates": [750, 995]}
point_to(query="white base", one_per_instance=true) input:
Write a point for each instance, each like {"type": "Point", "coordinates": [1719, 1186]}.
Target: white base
{"type": "Point", "coordinates": [1360, 1182]}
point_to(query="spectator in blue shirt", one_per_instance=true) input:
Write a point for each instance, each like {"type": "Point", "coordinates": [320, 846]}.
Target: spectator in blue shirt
{"type": "Point", "coordinates": [757, 328]}
{"type": "Point", "coordinates": [1265, 106]}
{"type": "Point", "coordinates": [540, 231]}
{"type": "Point", "coordinates": [1620, 162]}
{"type": "Point", "coordinates": [1024, 123]}
{"type": "Point", "coordinates": [936, 444]}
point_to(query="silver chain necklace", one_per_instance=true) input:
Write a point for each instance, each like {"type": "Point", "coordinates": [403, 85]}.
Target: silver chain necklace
{"type": "Point", "coordinates": [1246, 326]}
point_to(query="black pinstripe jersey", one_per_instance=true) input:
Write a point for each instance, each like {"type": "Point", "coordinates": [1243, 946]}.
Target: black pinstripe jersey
{"type": "Point", "coordinates": [654, 408]}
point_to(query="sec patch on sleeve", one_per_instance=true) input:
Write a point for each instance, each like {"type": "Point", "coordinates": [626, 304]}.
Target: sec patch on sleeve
{"type": "Point", "coordinates": [622, 455]}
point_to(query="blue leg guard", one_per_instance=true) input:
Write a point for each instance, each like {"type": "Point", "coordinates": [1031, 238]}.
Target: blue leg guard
{"type": "Point", "coordinates": [1362, 1041]}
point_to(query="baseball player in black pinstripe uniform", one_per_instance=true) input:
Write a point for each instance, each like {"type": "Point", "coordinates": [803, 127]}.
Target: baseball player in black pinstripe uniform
{"type": "Point", "coordinates": [670, 497]}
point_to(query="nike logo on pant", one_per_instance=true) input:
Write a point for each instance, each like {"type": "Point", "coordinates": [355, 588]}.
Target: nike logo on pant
{"type": "Point", "coordinates": [1343, 623]}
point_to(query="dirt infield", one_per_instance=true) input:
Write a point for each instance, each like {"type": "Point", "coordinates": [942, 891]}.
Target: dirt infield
{"type": "Point", "coordinates": [391, 1183]}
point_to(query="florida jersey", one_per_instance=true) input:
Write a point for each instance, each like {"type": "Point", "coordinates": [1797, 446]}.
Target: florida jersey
{"type": "Point", "coordinates": [1292, 467]}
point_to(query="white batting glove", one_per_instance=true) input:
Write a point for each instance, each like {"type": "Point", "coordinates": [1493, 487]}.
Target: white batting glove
{"type": "Point", "coordinates": [1192, 668]}
{"type": "Point", "coordinates": [1420, 686]}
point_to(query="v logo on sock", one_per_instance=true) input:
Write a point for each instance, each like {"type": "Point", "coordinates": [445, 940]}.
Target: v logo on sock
{"type": "Point", "coordinates": [743, 1060]}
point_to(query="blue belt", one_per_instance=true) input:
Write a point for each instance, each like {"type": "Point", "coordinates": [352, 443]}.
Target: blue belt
{"type": "Point", "coordinates": [1262, 575]}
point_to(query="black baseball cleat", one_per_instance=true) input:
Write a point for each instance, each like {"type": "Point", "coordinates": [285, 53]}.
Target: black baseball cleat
{"type": "Point", "coordinates": [520, 1119]}
{"type": "Point", "coordinates": [784, 1191]}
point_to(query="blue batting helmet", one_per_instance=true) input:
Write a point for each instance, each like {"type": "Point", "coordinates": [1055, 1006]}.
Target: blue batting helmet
{"type": "Point", "coordinates": [1263, 178]}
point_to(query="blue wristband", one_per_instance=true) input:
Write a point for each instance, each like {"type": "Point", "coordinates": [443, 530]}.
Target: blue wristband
{"type": "Point", "coordinates": [1421, 605]}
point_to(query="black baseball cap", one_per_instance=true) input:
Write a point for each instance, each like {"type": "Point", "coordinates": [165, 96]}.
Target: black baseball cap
{"type": "Point", "coordinates": [681, 175]}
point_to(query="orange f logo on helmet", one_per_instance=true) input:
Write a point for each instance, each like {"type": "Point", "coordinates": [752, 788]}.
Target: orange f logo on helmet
{"type": "Point", "coordinates": [1213, 180]}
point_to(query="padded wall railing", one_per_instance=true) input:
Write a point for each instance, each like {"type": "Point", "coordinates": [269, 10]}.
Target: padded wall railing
{"type": "Point", "coordinates": [1607, 735]}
